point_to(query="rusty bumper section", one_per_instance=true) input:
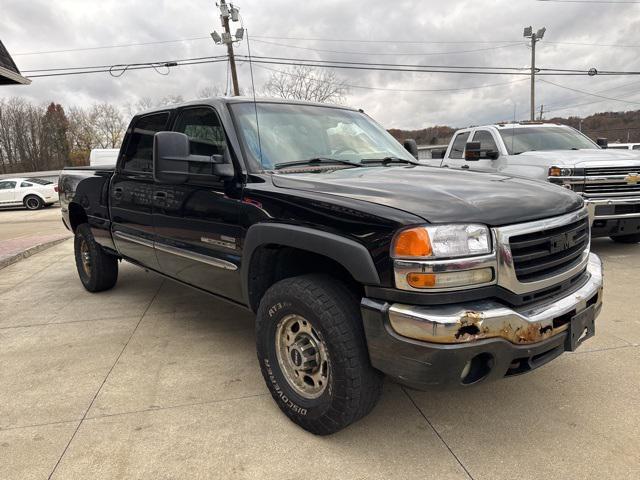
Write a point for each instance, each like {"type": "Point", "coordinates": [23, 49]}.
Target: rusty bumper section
{"type": "Point", "coordinates": [464, 323]}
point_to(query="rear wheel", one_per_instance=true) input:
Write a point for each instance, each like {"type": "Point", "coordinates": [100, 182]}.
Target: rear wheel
{"type": "Point", "coordinates": [33, 202]}
{"type": "Point", "coordinates": [97, 269]}
{"type": "Point", "coordinates": [313, 355]}
{"type": "Point", "coordinates": [631, 238]}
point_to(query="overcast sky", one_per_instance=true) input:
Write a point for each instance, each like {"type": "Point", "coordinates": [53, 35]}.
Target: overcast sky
{"type": "Point", "coordinates": [42, 25]}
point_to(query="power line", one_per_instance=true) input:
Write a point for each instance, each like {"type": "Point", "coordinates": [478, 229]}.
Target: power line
{"type": "Point", "coordinates": [130, 64]}
{"type": "Point", "coordinates": [591, 1]}
{"type": "Point", "coordinates": [421, 90]}
{"type": "Point", "coordinates": [589, 93]}
{"type": "Point", "coordinates": [395, 54]}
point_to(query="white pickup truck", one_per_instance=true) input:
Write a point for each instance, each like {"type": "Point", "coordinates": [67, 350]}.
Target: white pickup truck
{"type": "Point", "coordinates": [608, 180]}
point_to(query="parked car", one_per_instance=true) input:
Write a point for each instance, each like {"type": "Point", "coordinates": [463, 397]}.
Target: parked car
{"type": "Point", "coordinates": [33, 193]}
{"type": "Point", "coordinates": [101, 157]}
{"type": "Point", "coordinates": [624, 146]}
{"type": "Point", "coordinates": [608, 180]}
{"type": "Point", "coordinates": [356, 259]}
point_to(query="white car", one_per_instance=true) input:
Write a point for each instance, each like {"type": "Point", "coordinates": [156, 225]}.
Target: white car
{"type": "Point", "coordinates": [33, 193]}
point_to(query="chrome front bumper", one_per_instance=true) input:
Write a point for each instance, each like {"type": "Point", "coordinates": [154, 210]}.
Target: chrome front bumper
{"type": "Point", "coordinates": [467, 322]}
{"type": "Point", "coordinates": [593, 203]}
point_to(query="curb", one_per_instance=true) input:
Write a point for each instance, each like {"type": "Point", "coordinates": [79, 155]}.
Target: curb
{"type": "Point", "coordinates": [5, 262]}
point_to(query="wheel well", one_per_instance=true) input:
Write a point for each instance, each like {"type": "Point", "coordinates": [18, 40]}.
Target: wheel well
{"type": "Point", "coordinates": [272, 263]}
{"type": "Point", "coordinates": [24, 199]}
{"type": "Point", "coordinates": [77, 216]}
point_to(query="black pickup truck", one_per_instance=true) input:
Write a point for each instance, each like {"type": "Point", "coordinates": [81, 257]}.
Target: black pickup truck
{"type": "Point", "coordinates": [357, 260]}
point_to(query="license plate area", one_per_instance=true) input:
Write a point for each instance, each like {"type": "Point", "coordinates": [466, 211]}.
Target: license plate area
{"type": "Point", "coordinates": [581, 327]}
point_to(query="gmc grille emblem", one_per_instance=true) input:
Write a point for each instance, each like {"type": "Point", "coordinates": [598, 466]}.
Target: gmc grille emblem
{"type": "Point", "coordinates": [562, 242]}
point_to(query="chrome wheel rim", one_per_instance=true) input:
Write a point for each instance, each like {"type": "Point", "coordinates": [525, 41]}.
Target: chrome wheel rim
{"type": "Point", "coordinates": [85, 257]}
{"type": "Point", "coordinates": [302, 356]}
{"type": "Point", "coordinates": [32, 203]}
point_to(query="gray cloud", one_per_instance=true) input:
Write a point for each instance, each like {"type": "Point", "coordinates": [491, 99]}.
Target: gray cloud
{"type": "Point", "coordinates": [41, 25]}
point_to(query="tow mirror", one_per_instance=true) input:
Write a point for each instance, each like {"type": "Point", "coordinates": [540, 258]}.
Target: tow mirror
{"type": "Point", "coordinates": [602, 142]}
{"type": "Point", "coordinates": [472, 151]}
{"type": "Point", "coordinates": [411, 146]}
{"type": "Point", "coordinates": [172, 160]}
{"type": "Point", "coordinates": [438, 153]}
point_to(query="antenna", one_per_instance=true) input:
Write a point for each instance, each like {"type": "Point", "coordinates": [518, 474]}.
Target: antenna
{"type": "Point", "coordinates": [253, 90]}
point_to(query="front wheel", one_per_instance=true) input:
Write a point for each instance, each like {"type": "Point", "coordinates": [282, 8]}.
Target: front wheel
{"type": "Point", "coordinates": [33, 202]}
{"type": "Point", "coordinates": [313, 355]}
{"type": "Point", "coordinates": [98, 270]}
{"type": "Point", "coordinates": [631, 238]}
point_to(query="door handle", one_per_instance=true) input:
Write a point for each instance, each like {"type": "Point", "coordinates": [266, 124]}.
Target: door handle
{"type": "Point", "coordinates": [160, 196]}
{"type": "Point", "coordinates": [466, 167]}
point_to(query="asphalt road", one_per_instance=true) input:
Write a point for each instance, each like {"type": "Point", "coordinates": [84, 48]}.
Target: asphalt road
{"type": "Point", "coordinates": [154, 380]}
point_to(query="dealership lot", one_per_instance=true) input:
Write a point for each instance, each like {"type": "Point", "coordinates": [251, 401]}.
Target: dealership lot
{"type": "Point", "coordinates": [154, 380]}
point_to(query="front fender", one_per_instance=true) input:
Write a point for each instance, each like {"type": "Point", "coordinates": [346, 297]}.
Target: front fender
{"type": "Point", "coordinates": [352, 255]}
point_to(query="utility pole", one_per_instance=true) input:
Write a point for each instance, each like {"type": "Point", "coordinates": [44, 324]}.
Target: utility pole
{"type": "Point", "coordinates": [535, 37]}
{"type": "Point", "coordinates": [541, 112]}
{"type": "Point", "coordinates": [229, 12]}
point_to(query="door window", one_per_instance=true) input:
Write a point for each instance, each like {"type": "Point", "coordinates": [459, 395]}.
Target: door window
{"type": "Point", "coordinates": [138, 157]}
{"type": "Point", "coordinates": [487, 143]}
{"type": "Point", "coordinates": [206, 137]}
{"type": "Point", "coordinates": [457, 150]}
{"type": "Point", "coordinates": [7, 185]}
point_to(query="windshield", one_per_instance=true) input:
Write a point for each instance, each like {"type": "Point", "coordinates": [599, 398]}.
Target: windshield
{"type": "Point", "coordinates": [527, 139]}
{"type": "Point", "coordinates": [293, 133]}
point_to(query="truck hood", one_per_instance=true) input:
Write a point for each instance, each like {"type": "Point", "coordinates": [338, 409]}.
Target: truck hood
{"type": "Point", "coordinates": [441, 195]}
{"type": "Point", "coordinates": [584, 158]}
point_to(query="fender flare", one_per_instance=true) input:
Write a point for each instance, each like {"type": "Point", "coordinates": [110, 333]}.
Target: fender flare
{"type": "Point", "coordinates": [353, 256]}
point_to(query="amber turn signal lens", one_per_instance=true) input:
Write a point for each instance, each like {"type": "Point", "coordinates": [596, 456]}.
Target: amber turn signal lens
{"type": "Point", "coordinates": [421, 280]}
{"type": "Point", "coordinates": [412, 243]}
{"type": "Point", "coordinates": [555, 172]}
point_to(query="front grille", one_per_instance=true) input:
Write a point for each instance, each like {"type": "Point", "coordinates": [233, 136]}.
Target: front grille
{"type": "Point", "coordinates": [549, 252]}
{"type": "Point", "coordinates": [599, 171]}
{"type": "Point", "coordinates": [614, 186]}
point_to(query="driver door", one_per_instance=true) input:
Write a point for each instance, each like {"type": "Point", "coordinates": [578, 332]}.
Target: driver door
{"type": "Point", "coordinates": [487, 144]}
{"type": "Point", "coordinates": [7, 192]}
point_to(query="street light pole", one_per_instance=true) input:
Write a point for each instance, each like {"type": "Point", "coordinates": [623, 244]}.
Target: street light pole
{"type": "Point", "coordinates": [232, 58]}
{"type": "Point", "coordinates": [226, 12]}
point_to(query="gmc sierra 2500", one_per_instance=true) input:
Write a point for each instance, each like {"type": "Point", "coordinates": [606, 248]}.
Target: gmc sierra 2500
{"type": "Point", "coordinates": [357, 260]}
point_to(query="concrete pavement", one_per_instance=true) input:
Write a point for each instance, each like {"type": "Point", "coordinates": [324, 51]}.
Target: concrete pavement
{"type": "Point", "coordinates": [154, 380]}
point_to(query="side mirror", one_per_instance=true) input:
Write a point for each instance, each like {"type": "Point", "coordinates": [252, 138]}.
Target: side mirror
{"type": "Point", "coordinates": [472, 151]}
{"type": "Point", "coordinates": [491, 154]}
{"type": "Point", "coordinates": [171, 160]}
{"type": "Point", "coordinates": [170, 153]}
{"type": "Point", "coordinates": [438, 153]}
{"type": "Point", "coordinates": [411, 146]}
{"type": "Point", "coordinates": [602, 142]}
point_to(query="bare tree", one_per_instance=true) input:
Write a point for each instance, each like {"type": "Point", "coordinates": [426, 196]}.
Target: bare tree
{"type": "Point", "coordinates": [208, 92]}
{"type": "Point", "coordinates": [307, 83]}
{"type": "Point", "coordinates": [109, 125]}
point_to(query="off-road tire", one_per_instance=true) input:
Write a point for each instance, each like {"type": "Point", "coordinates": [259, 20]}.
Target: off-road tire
{"type": "Point", "coordinates": [333, 310]}
{"type": "Point", "coordinates": [102, 272]}
{"type": "Point", "coordinates": [33, 202]}
{"type": "Point", "coordinates": [631, 238]}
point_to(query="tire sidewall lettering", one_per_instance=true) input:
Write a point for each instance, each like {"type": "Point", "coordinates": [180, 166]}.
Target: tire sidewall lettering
{"type": "Point", "coordinates": [280, 393]}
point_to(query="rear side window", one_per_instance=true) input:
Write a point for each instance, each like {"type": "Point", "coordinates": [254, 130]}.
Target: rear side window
{"type": "Point", "coordinates": [458, 145]}
{"type": "Point", "coordinates": [25, 185]}
{"type": "Point", "coordinates": [39, 181]}
{"type": "Point", "coordinates": [138, 156]}
{"type": "Point", "coordinates": [7, 185]}
{"type": "Point", "coordinates": [636, 147]}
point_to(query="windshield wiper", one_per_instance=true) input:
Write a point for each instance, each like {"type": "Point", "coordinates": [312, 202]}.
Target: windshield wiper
{"type": "Point", "coordinates": [316, 161]}
{"type": "Point", "coordinates": [387, 161]}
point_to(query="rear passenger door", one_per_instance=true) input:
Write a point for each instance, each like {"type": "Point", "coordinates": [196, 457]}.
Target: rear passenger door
{"type": "Point", "coordinates": [132, 189]}
{"type": "Point", "coordinates": [197, 223]}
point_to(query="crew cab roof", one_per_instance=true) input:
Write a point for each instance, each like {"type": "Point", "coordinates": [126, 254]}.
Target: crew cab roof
{"type": "Point", "coordinates": [221, 101]}
{"type": "Point", "coordinates": [526, 124]}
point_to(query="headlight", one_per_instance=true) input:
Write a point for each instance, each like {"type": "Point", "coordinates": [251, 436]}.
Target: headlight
{"type": "Point", "coordinates": [441, 241]}
{"type": "Point", "coordinates": [560, 172]}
